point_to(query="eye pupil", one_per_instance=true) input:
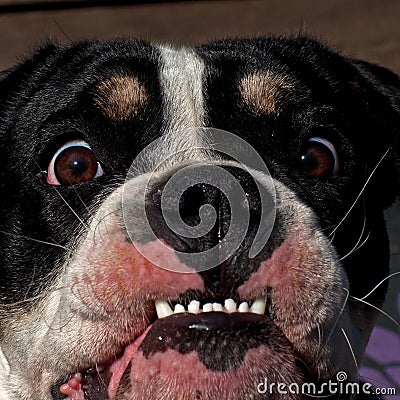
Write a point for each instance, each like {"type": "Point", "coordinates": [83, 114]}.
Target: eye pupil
{"type": "Point", "coordinates": [74, 165]}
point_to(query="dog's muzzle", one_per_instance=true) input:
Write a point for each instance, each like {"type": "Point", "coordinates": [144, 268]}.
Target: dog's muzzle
{"type": "Point", "coordinates": [199, 273]}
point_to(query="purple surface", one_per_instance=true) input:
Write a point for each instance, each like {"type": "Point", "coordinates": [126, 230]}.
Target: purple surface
{"type": "Point", "coordinates": [382, 365]}
{"type": "Point", "coordinates": [384, 346]}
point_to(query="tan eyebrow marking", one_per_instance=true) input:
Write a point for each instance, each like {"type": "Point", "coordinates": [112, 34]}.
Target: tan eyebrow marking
{"type": "Point", "coordinates": [120, 97]}
{"type": "Point", "coordinates": [265, 92]}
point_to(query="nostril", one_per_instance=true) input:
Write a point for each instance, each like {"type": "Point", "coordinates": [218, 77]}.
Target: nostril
{"type": "Point", "coordinates": [191, 202]}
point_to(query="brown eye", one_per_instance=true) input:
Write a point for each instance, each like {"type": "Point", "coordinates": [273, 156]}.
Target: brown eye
{"type": "Point", "coordinates": [319, 159]}
{"type": "Point", "coordinates": [73, 163]}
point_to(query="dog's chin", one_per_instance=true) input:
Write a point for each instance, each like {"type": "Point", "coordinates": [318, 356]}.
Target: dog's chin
{"type": "Point", "coordinates": [207, 355]}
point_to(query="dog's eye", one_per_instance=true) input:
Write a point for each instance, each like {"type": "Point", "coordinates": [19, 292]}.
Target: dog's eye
{"type": "Point", "coordinates": [72, 163]}
{"type": "Point", "coordinates": [319, 159]}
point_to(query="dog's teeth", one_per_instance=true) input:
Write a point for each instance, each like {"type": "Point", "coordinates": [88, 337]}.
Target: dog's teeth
{"type": "Point", "coordinates": [258, 307]}
{"type": "Point", "coordinates": [243, 307]}
{"type": "Point", "coordinates": [163, 309]}
{"type": "Point", "coordinates": [230, 305]}
{"type": "Point", "coordinates": [179, 308]}
{"type": "Point", "coordinates": [217, 307]}
{"type": "Point", "coordinates": [194, 307]}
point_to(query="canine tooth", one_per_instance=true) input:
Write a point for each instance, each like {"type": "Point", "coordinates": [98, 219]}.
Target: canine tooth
{"type": "Point", "coordinates": [179, 308]}
{"type": "Point", "coordinates": [163, 309]}
{"type": "Point", "coordinates": [230, 305]}
{"type": "Point", "coordinates": [243, 307]}
{"type": "Point", "coordinates": [194, 307]}
{"type": "Point", "coordinates": [217, 307]}
{"type": "Point", "coordinates": [258, 307]}
{"type": "Point", "coordinates": [207, 307]}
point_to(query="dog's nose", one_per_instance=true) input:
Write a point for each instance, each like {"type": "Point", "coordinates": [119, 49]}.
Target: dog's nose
{"type": "Point", "coordinates": [207, 213]}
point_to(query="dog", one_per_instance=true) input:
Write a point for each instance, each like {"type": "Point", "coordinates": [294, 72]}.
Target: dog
{"type": "Point", "coordinates": [95, 305]}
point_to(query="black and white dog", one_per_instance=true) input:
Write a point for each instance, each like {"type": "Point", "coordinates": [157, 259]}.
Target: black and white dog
{"type": "Point", "coordinates": [85, 315]}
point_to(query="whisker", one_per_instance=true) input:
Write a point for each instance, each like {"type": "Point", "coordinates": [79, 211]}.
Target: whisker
{"type": "Point", "coordinates": [100, 312]}
{"type": "Point", "coordinates": [350, 347]}
{"type": "Point", "coordinates": [31, 283]}
{"type": "Point", "coordinates": [25, 301]}
{"type": "Point", "coordinates": [17, 235]}
{"type": "Point", "coordinates": [380, 283]}
{"type": "Point", "coordinates": [103, 218]}
{"type": "Point", "coordinates": [326, 228]}
{"type": "Point", "coordinates": [72, 210]}
{"type": "Point", "coordinates": [100, 376]}
{"type": "Point", "coordinates": [376, 308]}
{"type": "Point", "coordinates": [364, 241]}
{"type": "Point", "coordinates": [360, 237]}
{"type": "Point", "coordinates": [336, 321]}
{"type": "Point", "coordinates": [358, 245]}
{"type": "Point", "coordinates": [319, 336]}
{"type": "Point", "coordinates": [80, 198]}
{"type": "Point", "coordinates": [354, 249]}
{"type": "Point", "coordinates": [51, 325]}
{"type": "Point", "coordinates": [62, 30]}
{"type": "Point", "coordinates": [38, 297]}
{"type": "Point", "coordinates": [320, 346]}
{"type": "Point", "coordinates": [361, 192]}
{"type": "Point", "coordinates": [65, 201]}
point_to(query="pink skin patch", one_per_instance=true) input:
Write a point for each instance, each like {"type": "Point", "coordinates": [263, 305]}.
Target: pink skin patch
{"type": "Point", "coordinates": [284, 270]}
{"type": "Point", "coordinates": [113, 279]}
{"type": "Point", "coordinates": [298, 267]}
{"type": "Point", "coordinates": [115, 270]}
{"type": "Point", "coordinates": [73, 388]}
{"type": "Point", "coordinates": [163, 376]}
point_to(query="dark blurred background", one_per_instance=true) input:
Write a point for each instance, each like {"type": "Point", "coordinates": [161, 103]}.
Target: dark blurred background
{"type": "Point", "coordinates": [365, 28]}
{"type": "Point", "coordinates": [368, 29]}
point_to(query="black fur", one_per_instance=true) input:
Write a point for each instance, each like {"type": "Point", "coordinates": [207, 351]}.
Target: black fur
{"type": "Point", "coordinates": [46, 100]}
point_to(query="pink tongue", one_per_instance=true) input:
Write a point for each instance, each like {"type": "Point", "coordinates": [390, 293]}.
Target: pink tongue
{"type": "Point", "coordinates": [119, 366]}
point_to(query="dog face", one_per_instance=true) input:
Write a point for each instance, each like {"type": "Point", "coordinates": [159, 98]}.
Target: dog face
{"type": "Point", "coordinates": [84, 313]}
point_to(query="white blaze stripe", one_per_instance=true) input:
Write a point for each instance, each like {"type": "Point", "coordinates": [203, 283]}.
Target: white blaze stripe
{"type": "Point", "coordinates": [181, 76]}
{"type": "Point", "coordinates": [4, 366]}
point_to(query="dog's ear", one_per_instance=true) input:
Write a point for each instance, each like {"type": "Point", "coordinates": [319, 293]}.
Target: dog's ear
{"type": "Point", "coordinates": [379, 91]}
